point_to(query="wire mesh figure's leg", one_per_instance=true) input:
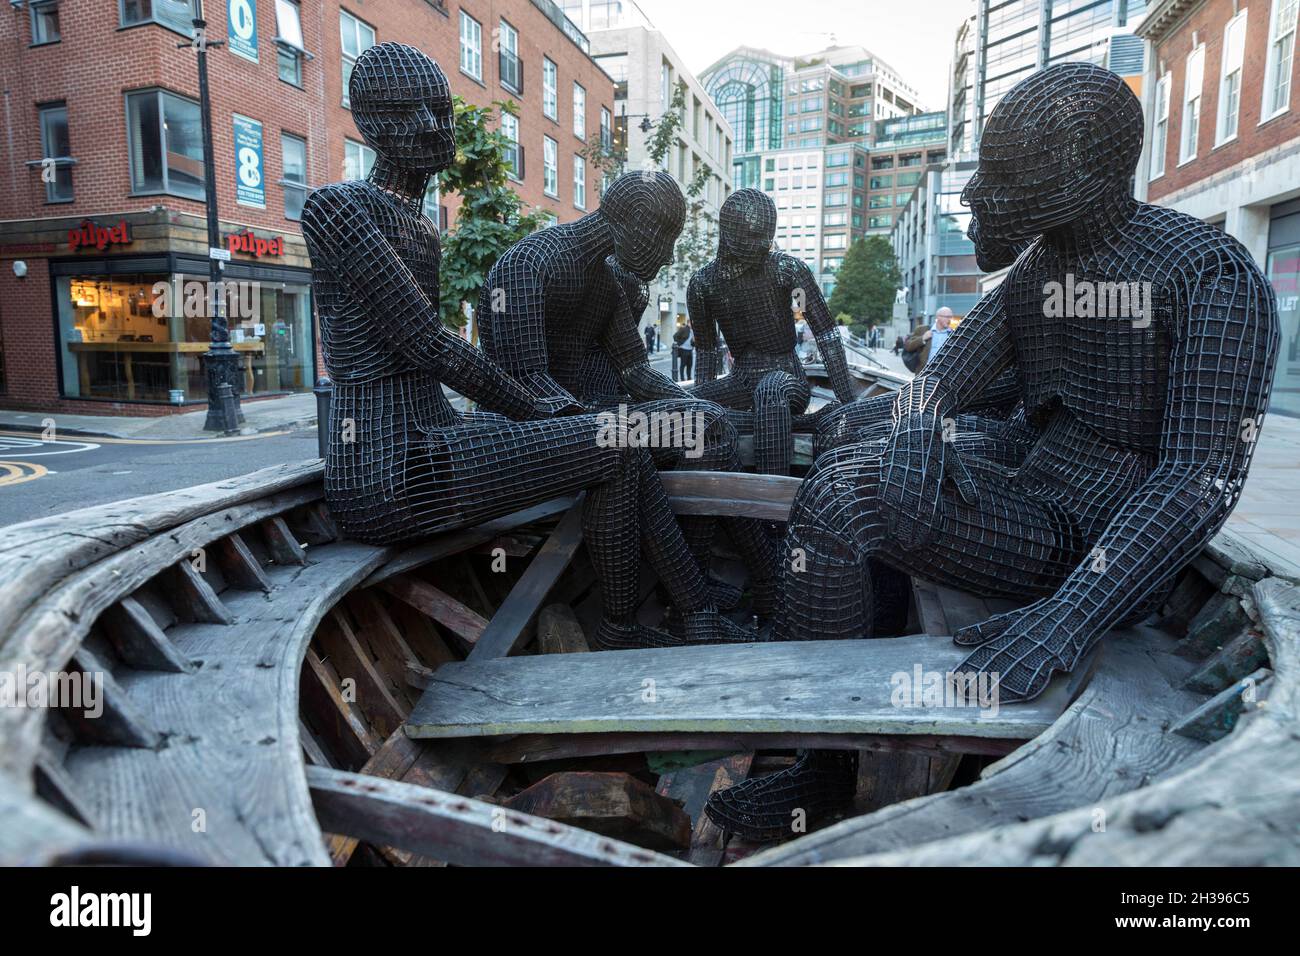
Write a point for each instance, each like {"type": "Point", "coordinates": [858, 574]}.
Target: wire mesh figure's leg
{"type": "Point", "coordinates": [845, 425]}
{"type": "Point", "coordinates": [777, 397]}
{"type": "Point", "coordinates": [835, 531]}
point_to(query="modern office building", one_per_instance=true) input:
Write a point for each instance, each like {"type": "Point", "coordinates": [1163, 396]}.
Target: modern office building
{"type": "Point", "coordinates": [1223, 138]}
{"type": "Point", "coordinates": [647, 72]}
{"type": "Point", "coordinates": [806, 131]}
{"type": "Point", "coordinates": [936, 259]}
{"type": "Point", "coordinates": [1006, 40]}
{"type": "Point", "coordinates": [103, 202]}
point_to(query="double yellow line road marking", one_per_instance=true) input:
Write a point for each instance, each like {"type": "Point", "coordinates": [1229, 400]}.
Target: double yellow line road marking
{"type": "Point", "coordinates": [16, 472]}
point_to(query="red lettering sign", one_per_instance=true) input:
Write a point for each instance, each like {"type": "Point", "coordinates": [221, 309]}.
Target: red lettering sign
{"type": "Point", "coordinates": [255, 245]}
{"type": "Point", "coordinates": [91, 235]}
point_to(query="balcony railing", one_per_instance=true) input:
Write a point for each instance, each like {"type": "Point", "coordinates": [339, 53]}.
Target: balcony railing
{"type": "Point", "coordinates": [511, 70]}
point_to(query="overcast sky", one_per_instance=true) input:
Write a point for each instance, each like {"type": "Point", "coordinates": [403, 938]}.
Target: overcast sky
{"type": "Point", "coordinates": [913, 36]}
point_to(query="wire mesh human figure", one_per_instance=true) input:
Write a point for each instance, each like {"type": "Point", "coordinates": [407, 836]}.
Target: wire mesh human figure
{"type": "Point", "coordinates": [1146, 416]}
{"type": "Point", "coordinates": [401, 461]}
{"type": "Point", "coordinates": [559, 311]}
{"type": "Point", "coordinates": [753, 293]}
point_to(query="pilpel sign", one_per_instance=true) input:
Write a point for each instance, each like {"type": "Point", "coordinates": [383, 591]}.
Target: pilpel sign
{"type": "Point", "coordinates": [255, 245]}
{"type": "Point", "coordinates": [91, 235]}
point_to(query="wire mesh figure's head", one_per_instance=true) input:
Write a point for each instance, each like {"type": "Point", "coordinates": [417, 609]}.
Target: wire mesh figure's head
{"type": "Point", "coordinates": [645, 212]}
{"type": "Point", "coordinates": [1062, 143]}
{"type": "Point", "coordinates": [401, 103]}
{"type": "Point", "coordinates": [992, 253]}
{"type": "Point", "coordinates": [746, 226]}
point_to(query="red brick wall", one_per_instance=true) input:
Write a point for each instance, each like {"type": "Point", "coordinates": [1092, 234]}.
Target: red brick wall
{"type": "Point", "coordinates": [97, 63]}
{"type": "Point", "coordinates": [1208, 22]}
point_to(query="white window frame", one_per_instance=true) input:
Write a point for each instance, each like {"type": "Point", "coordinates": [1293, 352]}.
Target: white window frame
{"type": "Point", "coordinates": [1231, 73]}
{"type": "Point", "coordinates": [1160, 126]}
{"type": "Point", "coordinates": [1280, 60]}
{"type": "Point", "coordinates": [579, 182]}
{"type": "Point", "coordinates": [359, 150]}
{"type": "Point", "coordinates": [550, 89]}
{"type": "Point", "coordinates": [1189, 133]}
{"type": "Point", "coordinates": [510, 45]}
{"type": "Point", "coordinates": [580, 111]}
{"type": "Point", "coordinates": [471, 47]}
{"type": "Point", "coordinates": [510, 130]}
{"type": "Point", "coordinates": [550, 167]}
{"type": "Point", "coordinates": [348, 20]}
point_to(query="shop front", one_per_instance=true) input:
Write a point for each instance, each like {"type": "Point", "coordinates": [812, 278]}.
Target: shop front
{"type": "Point", "coordinates": [1283, 270]}
{"type": "Point", "coordinates": [135, 328]}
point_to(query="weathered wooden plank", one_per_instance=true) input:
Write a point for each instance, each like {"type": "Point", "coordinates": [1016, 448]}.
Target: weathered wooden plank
{"type": "Point", "coordinates": [379, 634]}
{"type": "Point", "coordinates": [693, 786]}
{"type": "Point", "coordinates": [193, 598]}
{"type": "Point", "coordinates": [138, 639]}
{"type": "Point", "coordinates": [437, 604]}
{"type": "Point", "coordinates": [558, 631]}
{"type": "Point", "coordinates": [31, 831]}
{"type": "Point", "coordinates": [351, 662]}
{"type": "Point", "coordinates": [614, 804]}
{"type": "Point", "coordinates": [55, 787]}
{"type": "Point", "coordinates": [282, 542]}
{"type": "Point", "coordinates": [323, 700]}
{"type": "Point", "coordinates": [1243, 655]}
{"type": "Point", "coordinates": [1216, 718]}
{"type": "Point", "coordinates": [507, 626]}
{"type": "Point", "coordinates": [114, 719]}
{"type": "Point", "coordinates": [730, 494]}
{"type": "Point", "coordinates": [456, 542]}
{"type": "Point", "coordinates": [929, 608]}
{"type": "Point", "coordinates": [239, 565]}
{"type": "Point", "coordinates": [459, 829]}
{"type": "Point", "coordinates": [847, 687]}
{"type": "Point", "coordinates": [1112, 739]}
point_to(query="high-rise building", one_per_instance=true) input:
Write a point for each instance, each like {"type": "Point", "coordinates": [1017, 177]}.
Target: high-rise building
{"type": "Point", "coordinates": [1006, 40]}
{"type": "Point", "coordinates": [807, 129]}
{"type": "Point", "coordinates": [648, 72]}
{"type": "Point", "coordinates": [103, 204]}
{"type": "Point", "coordinates": [936, 259]}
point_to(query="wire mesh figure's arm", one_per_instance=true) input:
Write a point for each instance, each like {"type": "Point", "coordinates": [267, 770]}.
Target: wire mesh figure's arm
{"type": "Point", "coordinates": [708, 356]}
{"type": "Point", "coordinates": [624, 345]}
{"type": "Point", "coordinates": [339, 229]}
{"type": "Point", "coordinates": [514, 305]}
{"type": "Point", "coordinates": [797, 279]}
{"type": "Point", "coordinates": [1220, 372]}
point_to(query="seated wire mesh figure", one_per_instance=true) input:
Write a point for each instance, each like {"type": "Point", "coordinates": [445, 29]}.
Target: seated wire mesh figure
{"type": "Point", "coordinates": [560, 310]}
{"type": "Point", "coordinates": [752, 293]}
{"type": "Point", "coordinates": [1146, 415]}
{"type": "Point", "coordinates": [401, 462]}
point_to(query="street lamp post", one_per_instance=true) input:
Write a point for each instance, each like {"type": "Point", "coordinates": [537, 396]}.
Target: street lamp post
{"type": "Point", "coordinates": [221, 362]}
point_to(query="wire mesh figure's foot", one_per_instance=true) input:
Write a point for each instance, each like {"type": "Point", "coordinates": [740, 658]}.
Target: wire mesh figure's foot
{"type": "Point", "coordinates": [819, 785]}
{"type": "Point", "coordinates": [723, 596]}
{"type": "Point", "coordinates": [710, 627]}
{"type": "Point", "coordinates": [615, 636]}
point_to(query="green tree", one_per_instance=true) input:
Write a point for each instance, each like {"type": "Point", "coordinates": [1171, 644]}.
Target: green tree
{"type": "Point", "coordinates": [866, 283]}
{"type": "Point", "coordinates": [694, 246]}
{"type": "Point", "coordinates": [491, 217]}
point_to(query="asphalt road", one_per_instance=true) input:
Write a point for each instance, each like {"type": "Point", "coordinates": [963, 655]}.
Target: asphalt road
{"type": "Point", "coordinates": [43, 478]}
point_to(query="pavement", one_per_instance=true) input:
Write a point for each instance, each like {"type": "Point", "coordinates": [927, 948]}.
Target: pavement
{"type": "Point", "coordinates": [1267, 515]}
{"type": "Point", "coordinates": [260, 416]}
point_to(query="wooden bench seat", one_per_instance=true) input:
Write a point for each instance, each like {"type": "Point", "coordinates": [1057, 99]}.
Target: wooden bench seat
{"type": "Point", "coordinates": [806, 692]}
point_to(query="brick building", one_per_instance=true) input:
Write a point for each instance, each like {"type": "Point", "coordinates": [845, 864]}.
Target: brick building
{"type": "Point", "coordinates": [1223, 138]}
{"type": "Point", "coordinates": [102, 212]}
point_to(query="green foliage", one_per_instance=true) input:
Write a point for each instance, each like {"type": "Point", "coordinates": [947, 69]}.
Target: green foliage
{"type": "Point", "coordinates": [843, 318]}
{"type": "Point", "coordinates": [491, 217]}
{"type": "Point", "coordinates": [866, 283]}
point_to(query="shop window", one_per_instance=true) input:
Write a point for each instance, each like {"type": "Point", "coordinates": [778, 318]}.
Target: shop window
{"type": "Point", "coordinates": [165, 142]}
{"type": "Point", "coordinates": [55, 152]}
{"type": "Point", "coordinates": [45, 23]}
{"type": "Point", "coordinates": [293, 159]}
{"type": "Point", "coordinates": [141, 337]}
{"type": "Point", "coordinates": [1284, 274]}
{"type": "Point", "coordinates": [356, 36]}
{"type": "Point", "coordinates": [175, 15]}
{"type": "Point", "coordinates": [289, 48]}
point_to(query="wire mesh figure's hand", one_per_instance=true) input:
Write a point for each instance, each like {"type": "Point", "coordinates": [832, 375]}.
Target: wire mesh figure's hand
{"type": "Point", "coordinates": [1022, 648]}
{"type": "Point", "coordinates": [557, 407]}
{"type": "Point", "coordinates": [917, 458]}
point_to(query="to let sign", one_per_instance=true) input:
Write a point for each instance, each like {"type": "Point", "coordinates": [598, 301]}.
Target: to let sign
{"type": "Point", "coordinates": [241, 34]}
{"type": "Point", "coordinates": [250, 186]}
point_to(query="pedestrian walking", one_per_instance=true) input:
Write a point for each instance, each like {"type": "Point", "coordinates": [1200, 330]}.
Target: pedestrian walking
{"type": "Point", "coordinates": [925, 341]}
{"type": "Point", "coordinates": [649, 340]}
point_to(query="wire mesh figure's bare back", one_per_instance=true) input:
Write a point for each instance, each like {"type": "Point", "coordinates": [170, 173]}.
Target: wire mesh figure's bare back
{"type": "Point", "coordinates": [753, 295]}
